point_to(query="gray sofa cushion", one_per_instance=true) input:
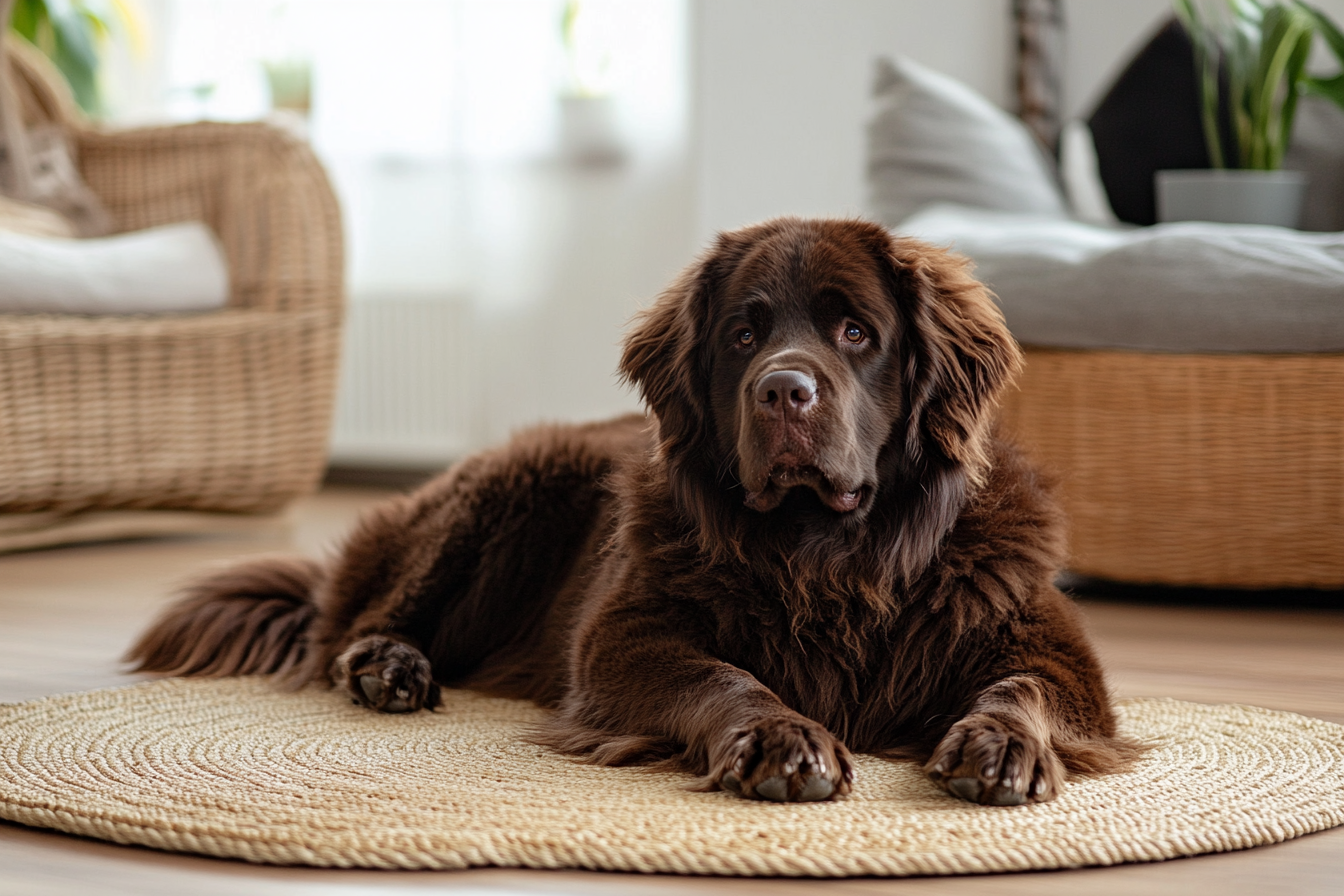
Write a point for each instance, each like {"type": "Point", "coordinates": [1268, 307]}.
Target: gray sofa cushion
{"type": "Point", "coordinates": [933, 139]}
{"type": "Point", "coordinates": [1186, 287]}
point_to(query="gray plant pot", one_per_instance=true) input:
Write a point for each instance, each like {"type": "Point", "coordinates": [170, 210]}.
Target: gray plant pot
{"type": "Point", "coordinates": [589, 134]}
{"type": "Point", "coordinates": [1231, 196]}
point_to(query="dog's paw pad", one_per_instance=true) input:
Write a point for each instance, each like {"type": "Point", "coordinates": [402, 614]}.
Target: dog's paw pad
{"type": "Point", "coordinates": [816, 788]}
{"type": "Point", "coordinates": [1002, 796]}
{"type": "Point", "coordinates": [373, 688]}
{"type": "Point", "coordinates": [774, 789]}
{"type": "Point", "coordinates": [966, 788]}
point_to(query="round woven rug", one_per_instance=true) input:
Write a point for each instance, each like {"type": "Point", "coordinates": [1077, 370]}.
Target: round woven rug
{"type": "Point", "coordinates": [233, 768]}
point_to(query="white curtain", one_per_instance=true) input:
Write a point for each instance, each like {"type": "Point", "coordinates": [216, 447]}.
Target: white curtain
{"type": "Point", "coordinates": [440, 122]}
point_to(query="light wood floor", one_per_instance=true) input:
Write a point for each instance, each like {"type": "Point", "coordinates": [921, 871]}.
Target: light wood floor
{"type": "Point", "coordinates": [66, 615]}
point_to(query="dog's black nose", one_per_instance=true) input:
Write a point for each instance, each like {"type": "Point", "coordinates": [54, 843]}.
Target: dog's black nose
{"type": "Point", "coordinates": [786, 389]}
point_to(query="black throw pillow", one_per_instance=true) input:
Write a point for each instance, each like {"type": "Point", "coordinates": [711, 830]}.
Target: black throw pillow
{"type": "Point", "coordinates": [1150, 120]}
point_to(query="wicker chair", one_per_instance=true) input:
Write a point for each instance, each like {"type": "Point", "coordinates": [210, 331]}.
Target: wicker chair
{"type": "Point", "coordinates": [1206, 470]}
{"type": "Point", "coordinates": [221, 411]}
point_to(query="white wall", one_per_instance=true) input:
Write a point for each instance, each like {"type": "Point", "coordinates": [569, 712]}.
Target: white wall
{"type": "Point", "coordinates": [781, 90]}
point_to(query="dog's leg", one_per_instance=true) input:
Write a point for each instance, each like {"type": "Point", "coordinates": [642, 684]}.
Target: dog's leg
{"type": "Point", "coordinates": [408, 564]}
{"type": "Point", "coordinates": [366, 636]}
{"type": "Point", "coordinates": [638, 679]}
{"type": "Point", "coordinates": [1044, 715]}
{"type": "Point", "coordinates": [454, 582]}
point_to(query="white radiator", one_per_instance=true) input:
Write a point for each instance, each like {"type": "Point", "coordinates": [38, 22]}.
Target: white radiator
{"type": "Point", "coordinates": [407, 396]}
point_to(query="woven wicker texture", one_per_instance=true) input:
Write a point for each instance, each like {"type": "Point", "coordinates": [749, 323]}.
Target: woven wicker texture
{"type": "Point", "coordinates": [1216, 470]}
{"type": "Point", "coordinates": [233, 768]}
{"type": "Point", "coordinates": [223, 411]}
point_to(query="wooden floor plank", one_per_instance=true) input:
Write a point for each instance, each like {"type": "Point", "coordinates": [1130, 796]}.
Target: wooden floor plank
{"type": "Point", "coordinates": [67, 615]}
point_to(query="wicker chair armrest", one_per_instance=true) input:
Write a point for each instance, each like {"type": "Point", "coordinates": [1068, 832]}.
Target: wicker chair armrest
{"type": "Point", "coordinates": [259, 188]}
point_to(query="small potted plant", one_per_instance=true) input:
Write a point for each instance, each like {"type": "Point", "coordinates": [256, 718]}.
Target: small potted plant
{"type": "Point", "coordinates": [589, 135]}
{"type": "Point", "coordinates": [1250, 60]}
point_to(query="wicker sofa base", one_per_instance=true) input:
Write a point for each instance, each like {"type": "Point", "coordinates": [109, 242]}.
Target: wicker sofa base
{"type": "Point", "coordinates": [1208, 470]}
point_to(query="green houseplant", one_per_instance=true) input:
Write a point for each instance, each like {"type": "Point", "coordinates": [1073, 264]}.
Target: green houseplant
{"type": "Point", "coordinates": [1250, 62]}
{"type": "Point", "coordinates": [69, 33]}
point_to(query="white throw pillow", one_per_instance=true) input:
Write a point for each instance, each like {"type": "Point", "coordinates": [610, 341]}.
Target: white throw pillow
{"type": "Point", "coordinates": [933, 139]}
{"type": "Point", "coordinates": [177, 267]}
{"type": "Point", "coordinates": [1082, 178]}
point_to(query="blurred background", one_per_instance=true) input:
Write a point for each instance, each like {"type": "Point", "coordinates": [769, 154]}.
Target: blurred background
{"type": "Point", "coordinates": [518, 176]}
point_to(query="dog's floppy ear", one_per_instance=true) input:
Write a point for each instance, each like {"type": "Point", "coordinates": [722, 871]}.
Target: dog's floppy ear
{"type": "Point", "coordinates": [959, 355]}
{"type": "Point", "coordinates": [666, 354]}
{"type": "Point", "coordinates": [663, 358]}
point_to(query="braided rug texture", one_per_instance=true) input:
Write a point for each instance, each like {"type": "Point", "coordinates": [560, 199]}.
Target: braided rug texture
{"type": "Point", "coordinates": [233, 768]}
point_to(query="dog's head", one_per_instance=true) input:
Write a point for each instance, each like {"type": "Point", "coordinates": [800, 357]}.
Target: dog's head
{"type": "Point", "coordinates": [824, 370]}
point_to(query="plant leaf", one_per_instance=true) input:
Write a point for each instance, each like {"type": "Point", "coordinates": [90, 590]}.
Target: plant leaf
{"type": "Point", "coordinates": [27, 17]}
{"type": "Point", "coordinates": [1329, 88]}
{"type": "Point", "coordinates": [1292, 77]}
{"type": "Point", "coordinates": [1334, 38]}
{"type": "Point", "coordinates": [1285, 40]}
{"type": "Point", "coordinates": [73, 33]}
{"type": "Point", "coordinates": [67, 31]}
{"type": "Point", "coordinates": [1207, 53]}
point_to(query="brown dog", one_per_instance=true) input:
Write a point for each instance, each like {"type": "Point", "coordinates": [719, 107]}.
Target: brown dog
{"type": "Point", "coordinates": [820, 546]}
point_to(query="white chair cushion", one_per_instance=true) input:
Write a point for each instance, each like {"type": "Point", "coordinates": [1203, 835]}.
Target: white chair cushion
{"type": "Point", "coordinates": [177, 267]}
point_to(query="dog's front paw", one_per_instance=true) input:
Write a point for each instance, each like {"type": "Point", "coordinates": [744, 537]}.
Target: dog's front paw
{"type": "Point", "coordinates": [783, 760]}
{"type": "Point", "coordinates": [386, 674]}
{"type": "Point", "coordinates": [992, 760]}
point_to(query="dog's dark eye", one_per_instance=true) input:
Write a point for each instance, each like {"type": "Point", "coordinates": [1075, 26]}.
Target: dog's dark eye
{"type": "Point", "coordinates": [745, 337]}
{"type": "Point", "coordinates": [854, 333]}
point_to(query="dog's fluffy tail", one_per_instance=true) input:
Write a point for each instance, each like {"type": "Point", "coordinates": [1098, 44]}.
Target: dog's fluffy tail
{"type": "Point", "coordinates": [251, 619]}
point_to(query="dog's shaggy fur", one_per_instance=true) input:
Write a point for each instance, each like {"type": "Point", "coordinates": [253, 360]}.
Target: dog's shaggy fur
{"type": "Point", "coordinates": [818, 544]}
